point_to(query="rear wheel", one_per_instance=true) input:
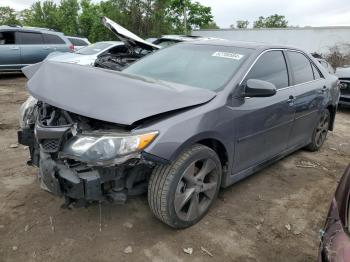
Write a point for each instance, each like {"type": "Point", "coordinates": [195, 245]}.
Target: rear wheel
{"type": "Point", "coordinates": [181, 194]}
{"type": "Point", "coordinates": [320, 133]}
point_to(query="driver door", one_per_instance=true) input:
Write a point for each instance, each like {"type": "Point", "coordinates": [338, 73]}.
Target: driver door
{"type": "Point", "coordinates": [264, 123]}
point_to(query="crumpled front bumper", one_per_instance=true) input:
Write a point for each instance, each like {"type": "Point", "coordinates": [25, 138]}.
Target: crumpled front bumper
{"type": "Point", "coordinates": [74, 183]}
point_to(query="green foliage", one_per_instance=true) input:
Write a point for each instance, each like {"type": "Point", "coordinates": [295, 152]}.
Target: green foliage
{"type": "Point", "coordinates": [211, 25]}
{"type": "Point", "coordinates": [42, 15]}
{"type": "Point", "coordinates": [242, 23]}
{"type": "Point", "coordinates": [146, 18]}
{"type": "Point", "coordinates": [8, 16]}
{"type": "Point", "coordinates": [272, 21]}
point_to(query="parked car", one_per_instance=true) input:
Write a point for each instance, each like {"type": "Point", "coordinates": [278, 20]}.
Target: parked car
{"type": "Point", "coordinates": [335, 240]}
{"type": "Point", "coordinates": [343, 74]}
{"type": "Point", "coordinates": [113, 55]}
{"type": "Point", "coordinates": [88, 55]}
{"type": "Point", "coordinates": [78, 42]}
{"type": "Point", "coordinates": [179, 123]}
{"type": "Point", "coordinates": [168, 40]}
{"type": "Point", "coordinates": [326, 65]}
{"type": "Point", "coordinates": [136, 47]}
{"type": "Point", "coordinates": [22, 46]}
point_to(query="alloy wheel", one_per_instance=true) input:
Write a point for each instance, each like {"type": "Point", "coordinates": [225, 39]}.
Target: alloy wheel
{"type": "Point", "coordinates": [322, 130]}
{"type": "Point", "coordinates": [196, 189]}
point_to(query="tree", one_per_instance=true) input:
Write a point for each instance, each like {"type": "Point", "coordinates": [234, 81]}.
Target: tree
{"type": "Point", "coordinates": [242, 23]}
{"type": "Point", "coordinates": [272, 21]}
{"type": "Point", "coordinates": [197, 15]}
{"type": "Point", "coordinates": [8, 16]}
{"type": "Point", "coordinates": [43, 14]}
{"type": "Point", "coordinates": [68, 16]}
{"type": "Point", "coordinates": [143, 17]}
{"type": "Point", "coordinates": [211, 25]}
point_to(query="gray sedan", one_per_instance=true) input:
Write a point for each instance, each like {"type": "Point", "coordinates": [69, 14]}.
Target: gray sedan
{"type": "Point", "coordinates": [178, 124]}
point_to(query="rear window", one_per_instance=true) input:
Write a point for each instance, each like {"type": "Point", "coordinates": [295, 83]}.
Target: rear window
{"type": "Point", "coordinates": [203, 66]}
{"type": "Point", "coordinates": [77, 42]}
{"type": "Point", "coordinates": [53, 39]}
{"type": "Point", "coordinates": [26, 38]}
{"type": "Point", "coordinates": [301, 67]}
{"type": "Point", "coordinates": [7, 38]}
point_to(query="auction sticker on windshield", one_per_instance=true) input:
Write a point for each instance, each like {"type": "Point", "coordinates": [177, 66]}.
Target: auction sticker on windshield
{"type": "Point", "coordinates": [228, 55]}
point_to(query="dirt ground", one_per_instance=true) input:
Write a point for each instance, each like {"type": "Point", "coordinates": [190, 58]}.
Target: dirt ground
{"type": "Point", "coordinates": [274, 215]}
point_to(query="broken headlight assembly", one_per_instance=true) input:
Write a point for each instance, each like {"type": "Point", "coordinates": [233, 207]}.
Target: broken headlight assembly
{"type": "Point", "coordinates": [26, 112]}
{"type": "Point", "coordinates": [106, 149]}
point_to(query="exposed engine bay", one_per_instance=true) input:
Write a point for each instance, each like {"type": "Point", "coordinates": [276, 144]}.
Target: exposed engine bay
{"type": "Point", "coordinates": [119, 61]}
{"type": "Point", "coordinates": [48, 131]}
{"type": "Point", "coordinates": [135, 46]}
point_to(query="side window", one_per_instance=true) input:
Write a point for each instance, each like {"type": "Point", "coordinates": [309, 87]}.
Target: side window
{"type": "Point", "coordinates": [7, 38]}
{"type": "Point", "coordinates": [270, 67]}
{"type": "Point", "coordinates": [77, 42]}
{"type": "Point", "coordinates": [301, 67]}
{"type": "Point", "coordinates": [317, 73]}
{"type": "Point", "coordinates": [30, 38]}
{"type": "Point", "coordinates": [52, 39]}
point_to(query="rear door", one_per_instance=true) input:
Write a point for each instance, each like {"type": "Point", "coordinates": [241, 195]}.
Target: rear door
{"type": "Point", "coordinates": [264, 124]}
{"type": "Point", "coordinates": [55, 43]}
{"type": "Point", "coordinates": [310, 92]}
{"type": "Point", "coordinates": [32, 47]}
{"type": "Point", "coordinates": [10, 54]}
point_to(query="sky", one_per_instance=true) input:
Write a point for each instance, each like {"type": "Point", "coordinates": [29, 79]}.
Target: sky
{"type": "Point", "coordinates": [227, 12]}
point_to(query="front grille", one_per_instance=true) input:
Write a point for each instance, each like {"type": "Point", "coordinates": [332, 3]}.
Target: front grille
{"type": "Point", "coordinates": [50, 145]}
{"type": "Point", "coordinates": [345, 86]}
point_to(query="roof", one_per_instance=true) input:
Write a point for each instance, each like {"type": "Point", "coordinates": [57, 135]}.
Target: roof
{"type": "Point", "coordinates": [278, 28]}
{"type": "Point", "coordinates": [111, 42]}
{"type": "Point", "coordinates": [184, 38]}
{"type": "Point", "coordinates": [246, 44]}
{"type": "Point", "coordinates": [28, 29]}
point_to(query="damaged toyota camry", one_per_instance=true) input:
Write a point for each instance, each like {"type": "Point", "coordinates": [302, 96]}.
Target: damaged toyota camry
{"type": "Point", "coordinates": [178, 124]}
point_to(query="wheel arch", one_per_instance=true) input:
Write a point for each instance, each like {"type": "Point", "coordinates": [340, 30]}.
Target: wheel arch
{"type": "Point", "coordinates": [213, 141]}
{"type": "Point", "coordinates": [332, 110]}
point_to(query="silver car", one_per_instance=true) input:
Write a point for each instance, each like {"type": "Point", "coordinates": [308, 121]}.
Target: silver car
{"type": "Point", "coordinates": [21, 46]}
{"type": "Point", "coordinates": [88, 55]}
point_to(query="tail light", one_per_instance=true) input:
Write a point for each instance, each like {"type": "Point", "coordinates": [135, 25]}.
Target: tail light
{"type": "Point", "coordinates": [71, 47]}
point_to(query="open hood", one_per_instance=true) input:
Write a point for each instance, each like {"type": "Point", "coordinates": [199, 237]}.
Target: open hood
{"type": "Point", "coordinates": [108, 95]}
{"type": "Point", "coordinates": [128, 38]}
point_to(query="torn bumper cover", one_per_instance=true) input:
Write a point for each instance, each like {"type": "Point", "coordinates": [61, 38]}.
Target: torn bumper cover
{"type": "Point", "coordinates": [75, 183]}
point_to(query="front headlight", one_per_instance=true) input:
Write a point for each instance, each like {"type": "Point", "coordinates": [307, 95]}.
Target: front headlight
{"type": "Point", "coordinates": [106, 148]}
{"type": "Point", "coordinates": [26, 112]}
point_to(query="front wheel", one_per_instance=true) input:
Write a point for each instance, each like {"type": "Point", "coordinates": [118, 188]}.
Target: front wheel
{"type": "Point", "coordinates": [320, 133]}
{"type": "Point", "coordinates": [181, 194]}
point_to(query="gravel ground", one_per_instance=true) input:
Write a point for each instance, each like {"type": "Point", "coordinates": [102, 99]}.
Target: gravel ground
{"type": "Point", "coordinates": [274, 215]}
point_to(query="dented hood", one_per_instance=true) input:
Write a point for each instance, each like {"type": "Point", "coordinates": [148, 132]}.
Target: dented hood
{"type": "Point", "coordinates": [128, 38]}
{"type": "Point", "coordinates": [108, 95]}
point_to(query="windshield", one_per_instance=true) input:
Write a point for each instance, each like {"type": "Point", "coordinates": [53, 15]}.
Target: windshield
{"type": "Point", "coordinates": [204, 66]}
{"type": "Point", "coordinates": [93, 49]}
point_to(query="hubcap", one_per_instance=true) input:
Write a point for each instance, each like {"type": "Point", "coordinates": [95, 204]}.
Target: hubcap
{"type": "Point", "coordinates": [322, 129]}
{"type": "Point", "coordinates": [196, 189]}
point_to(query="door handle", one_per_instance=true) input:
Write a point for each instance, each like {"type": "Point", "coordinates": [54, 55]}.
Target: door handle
{"type": "Point", "coordinates": [323, 90]}
{"type": "Point", "coordinates": [14, 48]}
{"type": "Point", "coordinates": [46, 47]}
{"type": "Point", "coordinates": [291, 100]}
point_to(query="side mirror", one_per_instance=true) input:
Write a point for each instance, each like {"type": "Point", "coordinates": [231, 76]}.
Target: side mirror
{"type": "Point", "coordinates": [259, 88]}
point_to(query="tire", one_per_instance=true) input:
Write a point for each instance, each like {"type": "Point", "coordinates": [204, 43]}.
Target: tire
{"type": "Point", "coordinates": [180, 194]}
{"type": "Point", "coordinates": [320, 132]}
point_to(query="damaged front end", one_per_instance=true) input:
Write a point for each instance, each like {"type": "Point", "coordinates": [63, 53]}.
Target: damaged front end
{"type": "Point", "coordinates": [83, 159]}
